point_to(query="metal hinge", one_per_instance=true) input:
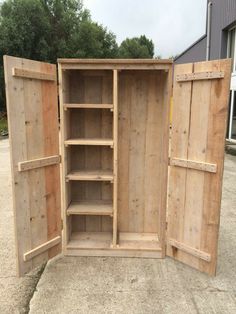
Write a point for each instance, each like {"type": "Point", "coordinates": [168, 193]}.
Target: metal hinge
{"type": "Point", "coordinates": [61, 224]}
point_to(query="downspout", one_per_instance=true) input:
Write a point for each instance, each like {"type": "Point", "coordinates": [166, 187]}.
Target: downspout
{"type": "Point", "coordinates": [208, 30]}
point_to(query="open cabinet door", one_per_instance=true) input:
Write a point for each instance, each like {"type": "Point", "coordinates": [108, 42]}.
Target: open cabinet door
{"type": "Point", "coordinates": [31, 92]}
{"type": "Point", "coordinates": [200, 110]}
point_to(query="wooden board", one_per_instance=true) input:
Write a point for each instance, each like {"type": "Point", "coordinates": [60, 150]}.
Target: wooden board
{"type": "Point", "coordinates": [33, 130]}
{"type": "Point", "coordinates": [198, 135]}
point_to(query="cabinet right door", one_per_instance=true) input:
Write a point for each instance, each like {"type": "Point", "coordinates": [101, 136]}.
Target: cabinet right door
{"type": "Point", "coordinates": [200, 109]}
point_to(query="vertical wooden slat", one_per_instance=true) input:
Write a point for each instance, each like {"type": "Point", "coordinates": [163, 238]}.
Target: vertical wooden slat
{"type": "Point", "coordinates": [196, 151]}
{"type": "Point", "coordinates": [115, 153]}
{"type": "Point", "coordinates": [106, 152]}
{"type": "Point", "coordinates": [179, 148]}
{"type": "Point", "coordinates": [35, 148]}
{"type": "Point", "coordinates": [18, 151]}
{"type": "Point", "coordinates": [65, 190]}
{"type": "Point", "coordinates": [137, 152]}
{"type": "Point", "coordinates": [152, 179]}
{"type": "Point", "coordinates": [51, 144]}
{"type": "Point", "coordinates": [124, 94]}
{"type": "Point", "coordinates": [165, 137]}
{"type": "Point", "coordinates": [217, 122]}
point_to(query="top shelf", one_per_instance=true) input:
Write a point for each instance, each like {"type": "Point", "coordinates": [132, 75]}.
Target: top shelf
{"type": "Point", "coordinates": [88, 106]}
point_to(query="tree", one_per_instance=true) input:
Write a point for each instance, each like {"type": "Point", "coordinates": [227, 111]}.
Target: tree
{"type": "Point", "coordinates": [48, 29]}
{"type": "Point", "coordinates": [94, 41]}
{"type": "Point", "coordinates": [137, 47]}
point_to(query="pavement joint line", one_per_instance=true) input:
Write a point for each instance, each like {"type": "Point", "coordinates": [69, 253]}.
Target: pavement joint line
{"type": "Point", "coordinates": [40, 272]}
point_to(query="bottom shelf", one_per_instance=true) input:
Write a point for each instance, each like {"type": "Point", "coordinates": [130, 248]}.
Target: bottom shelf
{"type": "Point", "coordinates": [103, 240]}
{"type": "Point", "coordinates": [90, 240]}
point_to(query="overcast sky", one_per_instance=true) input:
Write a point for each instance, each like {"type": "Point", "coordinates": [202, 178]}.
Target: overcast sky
{"type": "Point", "coordinates": [172, 25]}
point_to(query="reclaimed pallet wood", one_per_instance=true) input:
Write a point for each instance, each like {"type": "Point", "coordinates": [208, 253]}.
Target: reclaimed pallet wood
{"type": "Point", "coordinates": [198, 133]}
{"type": "Point", "coordinates": [33, 128]}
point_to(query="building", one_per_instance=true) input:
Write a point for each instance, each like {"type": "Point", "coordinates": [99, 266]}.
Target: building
{"type": "Point", "coordinates": [218, 42]}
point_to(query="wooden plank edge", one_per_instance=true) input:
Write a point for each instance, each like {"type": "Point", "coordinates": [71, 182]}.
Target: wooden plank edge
{"type": "Point", "coordinates": [23, 73]}
{"type": "Point", "coordinates": [115, 61]}
{"type": "Point", "coordinates": [122, 66]}
{"type": "Point", "coordinates": [112, 253]}
{"type": "Point", "coordinates": [87, 106]}
{"type": "Point", "coordinates": [199, 76]}
{"type": "Point", "coordinates": [191, 164]}
{"type": "Point", "coordinates": [190, 250]}
{"type": "Point", "coordinates": [86, 142]}
{"type": "Point", "coordinates": [109, 252]}
{"type": "Point", "coordinates": [38, 163]}
{"type": "Point", "coordinates": [71, 212]}
{"type": "Point", "coordinates": [41, 248]}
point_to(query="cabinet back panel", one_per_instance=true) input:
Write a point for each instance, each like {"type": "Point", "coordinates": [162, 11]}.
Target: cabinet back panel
{"type": "Point", "coordinates": [140, 149]}
{"type": "Point", "coordinates": [90, 123]}
{"type": "Point", "coordinates": [90, 158]}
{"type": "Point", "coordinates": [91, 224]}
{"type": "Point", "coordinates": [90, 87]}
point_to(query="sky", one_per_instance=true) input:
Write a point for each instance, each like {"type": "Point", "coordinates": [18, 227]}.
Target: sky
{"type": "Point", "coordinates": [173, 25]}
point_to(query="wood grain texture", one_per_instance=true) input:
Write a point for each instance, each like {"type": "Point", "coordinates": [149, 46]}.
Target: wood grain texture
{"type": "Point", "coordinates": [143, 151]}
{"type": "Point", "coordinates": [38, 163]}
{"type": "Point", "coordinates": [192, 164]}
{"type": "Point", "coordinates": [33, 128]}
{"type": "Point", "coordinates": [194, 203]}
{"type": "Point", "coordinates": [36, 75]}
{"type": "Point", "coordinates": [197, 76]}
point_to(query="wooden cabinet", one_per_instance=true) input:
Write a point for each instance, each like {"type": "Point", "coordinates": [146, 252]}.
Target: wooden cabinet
{"type": "Point", "coordinates": [115, 152]}
{"type": "Point", "coordinates": [115, 157]}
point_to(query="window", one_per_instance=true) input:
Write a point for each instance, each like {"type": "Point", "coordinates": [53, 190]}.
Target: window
{"type": "Point", "coordinates": [231, 53]}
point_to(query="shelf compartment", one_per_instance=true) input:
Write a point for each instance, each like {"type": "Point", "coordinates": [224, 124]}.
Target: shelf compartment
{"type": "Point", "coordinates": [88, 106]}
{"type": "Point", "coordinates": [93, 207]}
{"type": "Point", "coordinates": [90, 175]}
{"type": "Point", "coordinates": [90, 240]}
{"type": "Point", "coordinates": [90, 141]}
{"type": "Point", "coordinates": [139, 241]}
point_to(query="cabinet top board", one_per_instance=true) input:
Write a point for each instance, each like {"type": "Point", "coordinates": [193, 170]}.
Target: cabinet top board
{"type": "Point", "coordinates": [120, 64]}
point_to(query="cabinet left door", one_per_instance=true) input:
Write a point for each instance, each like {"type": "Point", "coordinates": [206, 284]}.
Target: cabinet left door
{"type": "Point", "coordinates": [32, 109]}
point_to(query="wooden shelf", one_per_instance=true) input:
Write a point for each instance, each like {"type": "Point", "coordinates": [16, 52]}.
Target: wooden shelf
{"type": "Point", "coordinates": [91, 207]}
{"type": "Point", "coordinates": [90, 240]}
{"type": "Point", "coordinates": [90, 141]}
{"type": "Point", "coordinates": [139, 241]}
{"type": "Point", "coordinates": [88, 106]}
{"type": "Point", "coordinates": [90, 175]}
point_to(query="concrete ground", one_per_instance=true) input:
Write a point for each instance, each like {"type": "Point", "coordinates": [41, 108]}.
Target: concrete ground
{"type": "Point", "coordinates": [119, 285]}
